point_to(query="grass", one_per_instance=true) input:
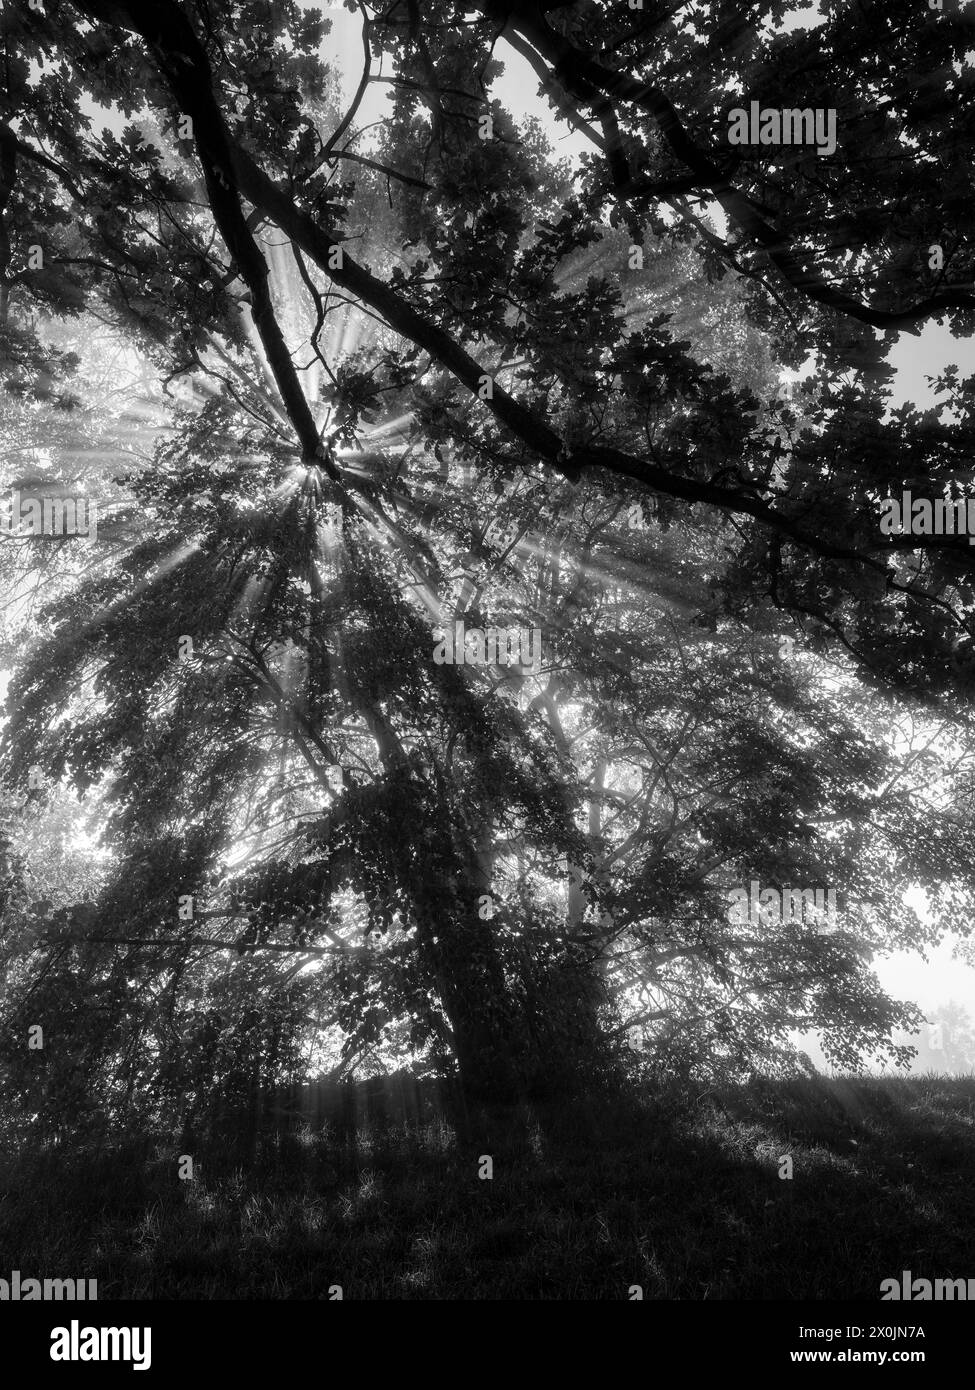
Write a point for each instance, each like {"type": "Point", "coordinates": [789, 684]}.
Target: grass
{"type": "Point", "coordinates": [679, 1195]}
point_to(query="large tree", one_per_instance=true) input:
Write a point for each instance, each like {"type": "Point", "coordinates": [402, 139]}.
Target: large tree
{"type": "Point", "coordinates": [381, 349]}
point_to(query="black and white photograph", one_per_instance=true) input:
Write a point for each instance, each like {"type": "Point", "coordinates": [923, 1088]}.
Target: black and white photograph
{"type": "Point", "coordinates": [487, 650]}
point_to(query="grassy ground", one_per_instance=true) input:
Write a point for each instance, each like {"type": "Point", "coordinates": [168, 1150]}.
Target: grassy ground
{"type": "Point", "coordinates": [682, 1197]}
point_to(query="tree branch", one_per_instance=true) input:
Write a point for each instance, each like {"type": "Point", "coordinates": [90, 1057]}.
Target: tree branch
{"type": "Point", "coordinates": [590, 82]}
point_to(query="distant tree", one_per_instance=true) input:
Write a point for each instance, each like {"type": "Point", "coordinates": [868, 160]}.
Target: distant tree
{"type": "Point", "coordinates": [951, 1038]}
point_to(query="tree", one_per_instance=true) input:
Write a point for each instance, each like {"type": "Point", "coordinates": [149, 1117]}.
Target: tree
{"type": "Point", "coordinates": [947, 1042]}
{"type": "Point", "coordinates": [501, 867]}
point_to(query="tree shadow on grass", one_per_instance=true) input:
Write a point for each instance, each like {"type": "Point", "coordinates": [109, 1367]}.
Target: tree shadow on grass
{"type": "Point", "coordinates": [586, 1199]}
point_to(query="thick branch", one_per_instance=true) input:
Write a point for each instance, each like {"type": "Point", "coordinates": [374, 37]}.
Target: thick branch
{"type": "Point", "coordinates": [590, 82]}
{"type": "Point", "coordinates": [184, 61]}
{"type": "Point", "coordinates": [189, 74]}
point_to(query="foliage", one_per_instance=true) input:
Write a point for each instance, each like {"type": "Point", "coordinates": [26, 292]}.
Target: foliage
{"type": "Point", "coordinates": [513, 868]}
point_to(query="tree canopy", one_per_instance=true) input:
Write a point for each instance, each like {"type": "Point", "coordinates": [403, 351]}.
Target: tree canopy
{"type": "Point", "coordinates": [337, 391]}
